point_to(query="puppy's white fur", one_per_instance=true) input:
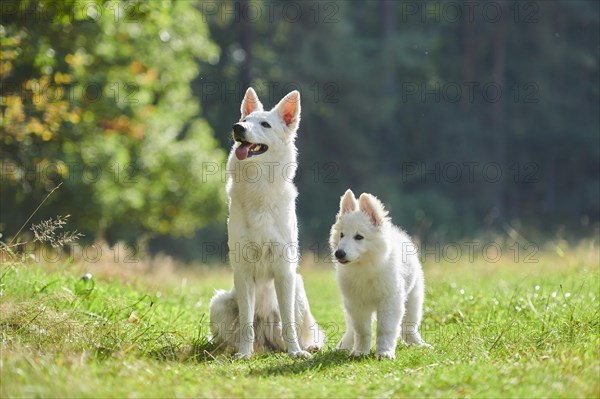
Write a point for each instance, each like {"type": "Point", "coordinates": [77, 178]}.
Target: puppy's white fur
{"type": "Point", "coordinates": [379, 273]}
{"type": "Point", "coordinates": [268, 299]}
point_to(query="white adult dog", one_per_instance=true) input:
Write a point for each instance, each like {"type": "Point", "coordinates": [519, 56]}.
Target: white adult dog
{"type": "Point", "coordinates": [267, 309]}
{"type": "Point", "coordinates": [378, 272]}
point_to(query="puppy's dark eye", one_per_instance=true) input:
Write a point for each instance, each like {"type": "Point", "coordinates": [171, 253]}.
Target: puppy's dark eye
{"type": "Point", "coordinates": [341, 235]}
{"type": "Point", "coordinates": [265, 124]}
{"type": "Point", "coordinates": [358, 237]}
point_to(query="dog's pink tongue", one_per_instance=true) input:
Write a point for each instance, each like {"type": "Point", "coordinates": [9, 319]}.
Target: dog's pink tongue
{"type": "Point", "coordinates": [242, 151]}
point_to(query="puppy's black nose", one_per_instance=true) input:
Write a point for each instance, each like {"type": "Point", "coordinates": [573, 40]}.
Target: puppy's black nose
{"type": "Point", "coordinates": [340, 254]}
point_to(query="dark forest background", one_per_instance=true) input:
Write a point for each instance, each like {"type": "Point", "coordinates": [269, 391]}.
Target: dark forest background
{"type": "Point", "coordinates": [466, 118]}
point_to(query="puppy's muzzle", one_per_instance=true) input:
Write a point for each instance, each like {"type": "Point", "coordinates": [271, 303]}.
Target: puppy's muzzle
{"type": "Point", "coordinates": [340, 254]}
{"type": "Point", "coordinates": [239, 132]}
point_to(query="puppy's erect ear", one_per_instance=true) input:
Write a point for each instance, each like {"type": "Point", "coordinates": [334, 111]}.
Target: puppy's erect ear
{"type": "Point", "coordinates": [250, 103]}
{"type": "Point", "coordinates": [370, 205]}
{"type": "Point", "coordinates": [288, 109]}
{"type": "Point", "coordinates": [348, 203]}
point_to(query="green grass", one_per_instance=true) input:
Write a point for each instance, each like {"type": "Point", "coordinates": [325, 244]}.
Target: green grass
{"type": "Point", "coordinates": [500, 329]}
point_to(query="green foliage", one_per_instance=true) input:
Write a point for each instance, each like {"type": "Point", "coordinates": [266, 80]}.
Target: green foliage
{"type": "Point", "coordinates": [96, 95]}
{"type": "Point", "coordinates": [506, 328]}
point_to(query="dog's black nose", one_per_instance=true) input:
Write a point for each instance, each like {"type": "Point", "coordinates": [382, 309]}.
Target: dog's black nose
{"type": "Point", "coordinates": [239, 132]}
{"type": "Point", "coordinates": [239, 129]}
{"type": "Point", "coordinates": [340, 254]}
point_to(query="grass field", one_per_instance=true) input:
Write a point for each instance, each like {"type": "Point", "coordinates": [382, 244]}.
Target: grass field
{"type": "Point", "coordinates": [510, 328]}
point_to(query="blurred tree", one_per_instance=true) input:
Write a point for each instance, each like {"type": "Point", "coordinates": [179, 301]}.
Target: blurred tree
{"type": "Point", "coordinates": [97, 95]}
{"type": "Point", "coordinates": [394, 102]}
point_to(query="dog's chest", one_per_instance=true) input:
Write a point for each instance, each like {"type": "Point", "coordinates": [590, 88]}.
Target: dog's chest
{"type": "Point", "coordinates": [262, 222]}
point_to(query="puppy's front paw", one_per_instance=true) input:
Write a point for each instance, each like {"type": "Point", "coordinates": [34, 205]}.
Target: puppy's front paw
{"type": "Point", "coordinates": [386, 355]}
{"type": "Point", "coordinates": [418, 342]}
{"type": "Point", "coordinates": [300, 354]}
{"type": "Point", "coordinates": [242, 356]}
{"type": "Point", "coordinates": [358, 354]}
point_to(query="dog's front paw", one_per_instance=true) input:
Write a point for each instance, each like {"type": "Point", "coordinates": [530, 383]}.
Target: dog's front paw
{"type": "Point", "coordinates": [313, 348]}
{"type": "Point", "coordinates": [242, 356]}
{"type": "Point", "coordinates": [347, 351]}
{"type": "Point", "coordinates": [300, 354]}
{"type": "Point", "coordinates": [359, 353]}
{"type": "Point", "coordinates": [389, 354]}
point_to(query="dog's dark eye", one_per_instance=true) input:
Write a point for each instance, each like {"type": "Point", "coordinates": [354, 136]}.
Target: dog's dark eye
{"type": "Point", "coordinates": [358, 237]}
{"type": "Point", "coordinates": [341, 235]}
{"type": "Point", "coordinates": [265, 124]}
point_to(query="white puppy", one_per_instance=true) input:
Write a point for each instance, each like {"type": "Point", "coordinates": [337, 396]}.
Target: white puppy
{"type": "Point", "coordinates": [267, 308]}
{"type": "Point", "coordinates": [378, 272]}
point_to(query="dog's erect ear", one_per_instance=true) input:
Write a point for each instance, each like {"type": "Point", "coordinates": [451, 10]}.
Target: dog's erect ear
{"type": "Point", "coordinates": [348, 203]}
{"type": "Point", "coordinates": [250, 103]}
{"type": "Point", "coordinates": [370, 205]}
{"type": "Point", "coordinates": [289, 109]}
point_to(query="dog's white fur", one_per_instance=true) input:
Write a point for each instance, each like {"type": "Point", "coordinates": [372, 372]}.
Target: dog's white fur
{"type": "Point", "coordinates": [268, 298]}
{"type": "Point", "coordinates": [378, 274]}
